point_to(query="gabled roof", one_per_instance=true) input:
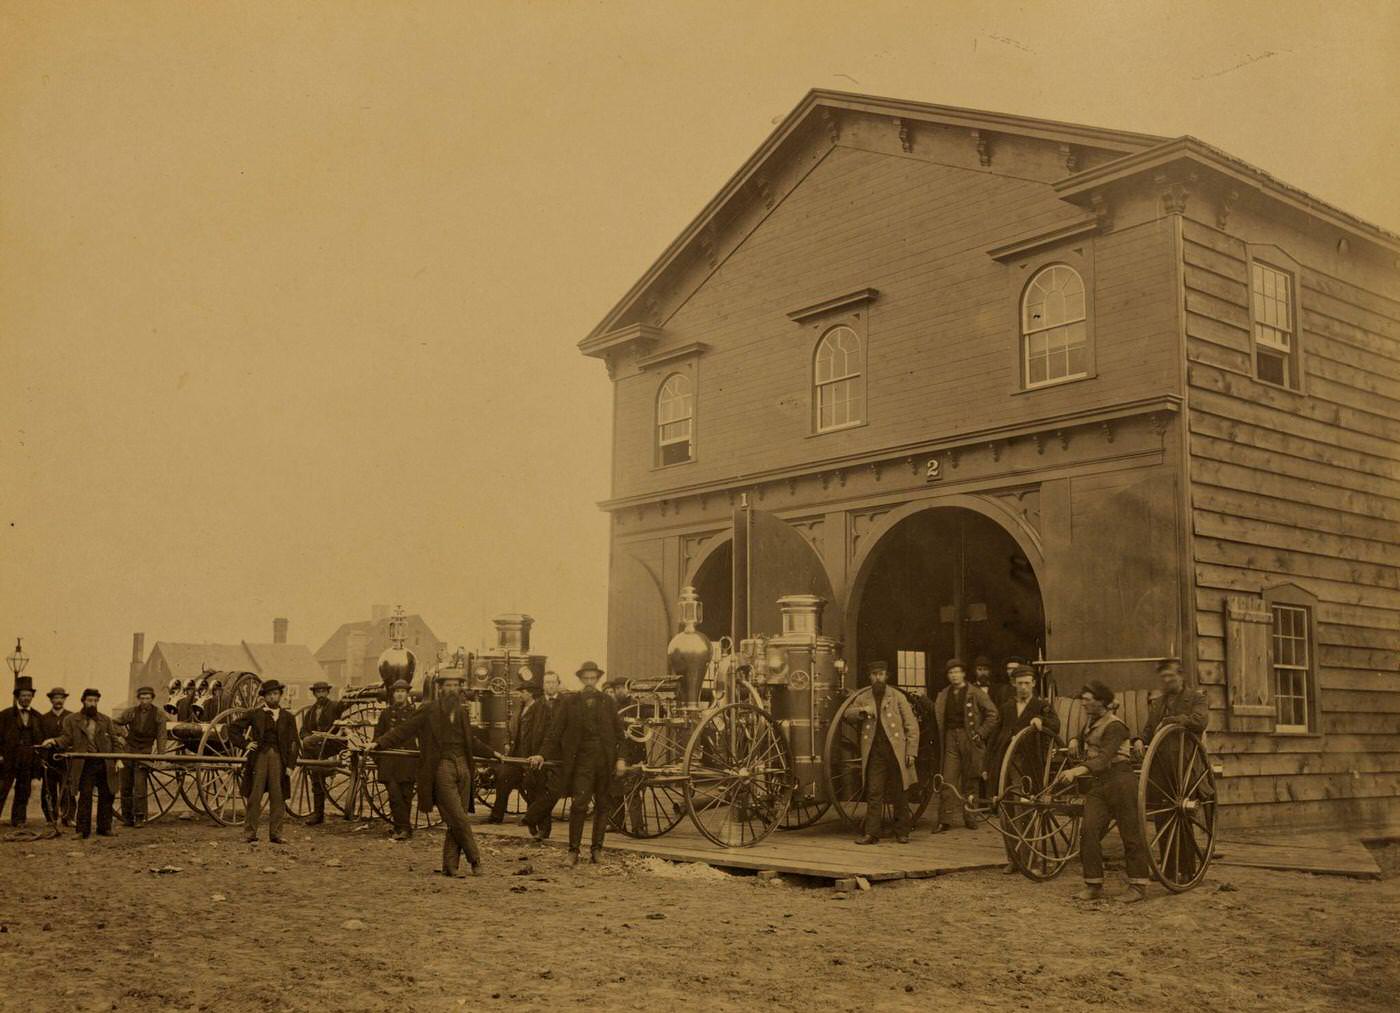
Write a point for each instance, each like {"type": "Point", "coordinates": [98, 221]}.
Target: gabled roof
{"type": "Point", "coordinates": [812, 104]}
{"type": "Point", "coordinates": [288, 662]}
{"type": "Point", "coordinates": [334, 647]}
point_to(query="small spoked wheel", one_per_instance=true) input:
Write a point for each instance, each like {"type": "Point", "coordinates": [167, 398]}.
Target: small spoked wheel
{"type": "Point", "coordinates": [1039, 820]}
{"type": "Point", "coordinates": [163, 784]}
{"type": "Point", "coordinates": [1177, 807]}
{"type": "Point", "coordinates": [843, 768]}
{"type": "Point", "coordinates": [737, 776]}
{"type": "Point", "coordinates": [650, 800]}
{"type": "Point", "coordinates": [218, 784]}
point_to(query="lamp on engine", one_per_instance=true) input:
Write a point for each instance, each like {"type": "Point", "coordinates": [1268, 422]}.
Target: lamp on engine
{"type": "Point", "coordinates": [688, 653]}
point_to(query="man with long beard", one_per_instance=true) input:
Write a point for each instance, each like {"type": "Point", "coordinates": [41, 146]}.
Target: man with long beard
{"type": "Point", "coordinates": [447, 752]}
{"type": "Point", "coordinates": [90, 731]}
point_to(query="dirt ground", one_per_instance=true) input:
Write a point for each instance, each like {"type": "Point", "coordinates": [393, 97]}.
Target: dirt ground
{"type": "Point", "coordinates": [343, 919]}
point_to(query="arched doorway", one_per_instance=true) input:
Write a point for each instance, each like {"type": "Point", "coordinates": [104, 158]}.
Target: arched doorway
{"type": "Point", "coordinates": [945, 582]}
{"type": "Point", "coordinates": [714, 585]}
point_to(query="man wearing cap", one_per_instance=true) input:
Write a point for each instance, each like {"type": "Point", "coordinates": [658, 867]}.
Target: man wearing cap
{"type": "Point", "coordinates": [273, 747]}
{"type": "Point", "coordinates": [58, 803]}
{"type": "Point", "coordinates": [889, 750]}
{"type": "Point", "coordinates": [966, 722]}
{"type": "Point", "coordinates": [1177, 705]}
{"type": "Point", "coordinates": [20, 765]}
{"type": "Point", "coordinates": [144, 726]}
{"type": "Point", "coordinates": [1024, 710]}
{"type": "Point", "coordinates": [397, 773]}
{"type": "Point", "coordinates": [997, 689]}
{"type": "Point", "coordinates": [1112, 794]}
{"type": "Point", "coordinates": [318, 720]}
{"type": "Point", "coordinates": [527, 735]}
{"type": "Point", "coordinates": [584, 739]}
{"type": "Point", "coordinates": [90, 731]}
{"type": "Point", "coordinates": [447, 752]}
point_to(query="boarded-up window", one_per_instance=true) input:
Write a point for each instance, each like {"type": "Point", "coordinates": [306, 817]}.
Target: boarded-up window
{"type": "Point", "coordinates": [1248, 625]}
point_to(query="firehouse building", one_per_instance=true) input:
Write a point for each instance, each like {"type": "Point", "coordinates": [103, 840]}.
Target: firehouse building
{"type": "Point", "coordinates": [1027, 387]}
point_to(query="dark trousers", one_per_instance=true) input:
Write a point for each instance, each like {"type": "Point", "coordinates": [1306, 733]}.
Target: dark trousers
{"type": "Point", "coordinates": [1113, 796]}
{"type": "Point", "coordinates": [509, 777]}
{"type": "Point", "coordinates": [452, 783]}
{"type": "Point", "coordinates": [590, 784]}
{"type": "Point", "coordinates": [57, 800]}
{"type": "Point", "coordinates": [884, 782]}
{"type": "Point", "coordinates": [19, 778]}
{"type": "Point", "coordinates": [267, 780]}
{"type": "Point", "coordinates": [94, 775]}
{"type": "Point", "coordinates": [401, 804]}
{"type": "Point", "coordinates": [133, 784]}
{"type": "Point", "coordinates": [539, 813]}
{"type": "Point", "coordinates": [958, 768]}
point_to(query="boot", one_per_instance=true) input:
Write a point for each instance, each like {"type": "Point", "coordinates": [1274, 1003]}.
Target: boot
{"type": "Point", "coordinates": [1091, 891]}
{"type": "Point", "coordinates": [573, 857]}
{"type": "Point", "coordinates": [939, 828]}
{"type": "Point", "coordinates": [1009, 869]}
{"type": "Point", "coordinates": [901, 838]}
{"type": "Point", "coordinates": [594, 853]}
{"type": "Point", "coordinates": [867, 839]}
{"type": "Point", "coordinates": [315, 819]}
{"type": "Point", "coordinates": [1136, 894]}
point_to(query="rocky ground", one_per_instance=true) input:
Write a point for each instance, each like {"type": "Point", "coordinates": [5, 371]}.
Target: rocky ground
{"type": "Point", "coordinates": [182, 916]}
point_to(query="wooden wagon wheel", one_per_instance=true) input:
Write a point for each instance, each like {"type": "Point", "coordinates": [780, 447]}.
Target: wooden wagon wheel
{"type": "Point", "coordinates": [220, 794]}
{"type": "Point", "coordinates": [651, 800]}
{"type": "Point", "coordinates": [350, 793]}
{"type": "Point", "coordinates": [844, 774]}
{"type": "Point", "coordinates": [1041, 827]}
{"type": "Point", "coordinates": [1177, 807]}
{"type": "Point", "coordinates": [738, 775]}
{"type": "Point", "coordinates": [164, 784]}
{"type": "Point", "coordinates": [242, 693]}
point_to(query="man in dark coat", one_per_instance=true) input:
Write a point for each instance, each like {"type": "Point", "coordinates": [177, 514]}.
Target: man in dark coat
{"type": "Point", "coordinates": [59, 804]}
{"type": "Point", "coordinates": [527, 735]}
{"type": "Point", "coordinates": [184, 707]}
{"type": "Point", "coordinates": [20, 731]}
{"type": "Point", "coordinates": [966, 721]}
{"type": "Point", "coordinates": [539, 818]}
{"type": "Point", "coordinates": [90, 731]}
{"type": "Point", "coordinates": [1177, 705]}
{"type": "Point", "coordinates": [584, 740]}
{"type": "Point", "coordinates": [397, 773]}
{"type": "Point", "coordinates": [317, 724]}
{"type": "Point", "coordinates": [144, 725]}
{"type": "Point", "coordinates": [273, 747]}
{"type": "Point", "coordinates": [1024, 710]}
{"type": "Point", "coordinates": [997, 687]}
{"type": "Point", "coordinates": [447, 752]}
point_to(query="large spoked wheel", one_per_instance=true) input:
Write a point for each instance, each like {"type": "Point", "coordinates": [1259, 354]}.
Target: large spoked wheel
{"type": "Point", "coordinates": [650, 801]}
{"type": "Point", "coordinates": [220, 795]}
{"type": "Point", "coordinates": [1177, 807]}
{"type": "Point", "coordinates": [163, 785]}
{"type": "Point", "coordinates": [1040, 823]}
{"type": "Point", "coordinates": [844, 772]}
{"type": "Point", "coordinates": [242, 693]}
{"type": "Point", "coordinates": [808, 806]}
{"type": "Point", "coordinates": [738, 776]}
{"type": "Point", "coordinates": [350, 793]}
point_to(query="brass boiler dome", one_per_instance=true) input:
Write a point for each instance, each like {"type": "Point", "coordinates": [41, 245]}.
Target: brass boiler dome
{"type": "Point", "coordinates": [688, 653]}
{"type": "Point", "coordinates": [397, 663]}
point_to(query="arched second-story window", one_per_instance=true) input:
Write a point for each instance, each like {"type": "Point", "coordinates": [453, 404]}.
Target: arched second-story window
{"type": "Point", "coordinates": [675, 420]}
{"type": "Point", "coordinates": [1054, 338]}
{"type": "Point", "coordinates": [838, 379]}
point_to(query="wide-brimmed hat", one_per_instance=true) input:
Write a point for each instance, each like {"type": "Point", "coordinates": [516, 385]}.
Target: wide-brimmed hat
{"type": "Point", "coordinates": [1015, 659]}
{"type": "Point", "coordinates": [270, 686]}
{"type": "Point", "coordinates": [322, 684]}
{"type": "Point", "coordinates": [90, 692]}
{"type": "Point", "coordinates": [589, 666]}
{"type": "Point", "coordinates": [58, 691]}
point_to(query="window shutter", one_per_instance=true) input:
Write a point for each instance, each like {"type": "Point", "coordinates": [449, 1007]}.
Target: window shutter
{"type": "Point", "coordinates": [1248, 626]}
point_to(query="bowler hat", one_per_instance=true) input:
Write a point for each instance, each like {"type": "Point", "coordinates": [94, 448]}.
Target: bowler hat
{"type": "Point", "coordinates": [58, 691]}
{"type": "Point", "coordinates": [954, 663]}
{"type": "Point", "coordinates": [1098, 691]}
{"type": "Point", "coordinates": [23, 682]}
{"type": "Point", "coordinates": [90, 692]}
{"type": "Point", "coordinates": [321, 684]}
{"type": "Point", "coordinates": [589, 666]}
{"type": "Point", "coordinates": [272, 685]}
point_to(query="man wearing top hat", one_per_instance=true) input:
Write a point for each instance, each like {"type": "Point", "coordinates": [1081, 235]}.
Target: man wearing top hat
{"type": "Point", "coordinates": [273, 747]}
{"type": "Point", "coordinates": [889, 752]}
{"type": "Point", "coordinates": [447, 752]}
{"type": "Point", "coordinates": [318, 719]}
{"type": "Point", "coordinates": [90, 731]}
{"type": "Point", "coordinates": [20, 765]}
{"type": "Point", "coordinates": [584, 739]}
{"type": "Point", "coordinates": [58, 803]}
{"type": "Point", "coordinates": [397, 773]}
{"type": "Point", "coordinates": [144, 725]}
{"type": "Point", "coordinates": [966, 722]}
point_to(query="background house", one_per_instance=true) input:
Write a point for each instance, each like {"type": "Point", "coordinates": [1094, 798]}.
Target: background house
{"type": "Point", "coordinates": [350, 656]}
{"type": "Point", "coordinates": [291, 664]}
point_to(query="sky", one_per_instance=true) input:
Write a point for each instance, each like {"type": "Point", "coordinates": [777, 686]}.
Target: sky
{"type": "Point", "coordinates": [290, 292]}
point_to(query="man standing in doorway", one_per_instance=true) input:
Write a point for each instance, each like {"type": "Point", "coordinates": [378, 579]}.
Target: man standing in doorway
{"type": "Point", "coordinates": [584, 740]}
{"type": "Point", "coordinates": [145, 733]}
{"type": "Point", "coordinates": [273, 748]}
{"type": "Point", "coordinates": [966, 721]}
{"type": "Point", "coordinates": [889, 748]}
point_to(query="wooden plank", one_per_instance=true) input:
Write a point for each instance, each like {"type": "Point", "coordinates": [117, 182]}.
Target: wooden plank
{"type": "Point", "coordinates": [1223, 265]}
{"type": "Point", "coordinates": [1315, 492]}
{"type": "Point", "coordinates": [1354, 862]}
{"type": "Point", "coordinates": [1273, 764]}
{"type": "Point", "coordinates": [1282, 441]}
{"type": "Point", "coordinates": [1345, 291]}
{"type": "Point", "coordinates": [1225, 744]}
{"type": "Point", "coordinates": [1211, 524]}
{"type": "Point", "coordinates": [1242, 454]}
{"type": "Point", "coordinates": [1218, 332]}
{"type": "Point", "coordinates": [1308, 787]}
{"type": "Point", "coordinates": [1365, 578]}
{"type": "Point", "coordinates": [1249, 391]}
{"type": "Point", "coordinates": [1277, 418]}
{"type": "Point", "coordinates": [1236, 576]}
{"type": "Point", "coordinates": [1348, 334]}
{"type": "Point", "coordinates": [1383, 661]}
{"type": "Point", "coordinates": [1384, 326]}
{"type": "Point", "coordinates": [1293, 816]}
{"type": "Point", "coordinates": [1244, 503]}
{"type": "Point", "coordinates": [1227, 312]}
{"type": "Point", "coordinates": [1221, 358]}
{"type": "Point", "coordinates": [1362, 615]}
{"type": "Point", "coordinates": [1226, 290]}
{"type": "Point", "coordinates": [1213, 239]}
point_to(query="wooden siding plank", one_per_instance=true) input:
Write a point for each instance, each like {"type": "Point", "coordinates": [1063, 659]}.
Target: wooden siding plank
{"type": "Point", "coordinates": [1251, 392]}
{"type": "Point", "coordinates": [1270, 418]}
{"type": "Point", "coordinates": [1227, 527]}
{"type": "Point", "coordinates": [1259, 506]}
{"type": "Point", "coordinates": [1232, 575]}
{"type": "Point", "coordinates": [1288, 484]}
{"type": "Point", "coordinates": [1279, 441]}
{"type": "Point", "coordinates": [1336, 614]}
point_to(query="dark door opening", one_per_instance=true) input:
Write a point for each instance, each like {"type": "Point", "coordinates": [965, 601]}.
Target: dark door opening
{"type": "Point", "coordinates": [714, 585]}
{"type": "Point", "coordinates": [945, 583]}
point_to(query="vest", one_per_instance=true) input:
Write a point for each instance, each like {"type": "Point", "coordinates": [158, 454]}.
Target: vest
{"type": "Point", "coordinates": [1093, 740]}
{"type": "Point", "coordinates": [955, 707]}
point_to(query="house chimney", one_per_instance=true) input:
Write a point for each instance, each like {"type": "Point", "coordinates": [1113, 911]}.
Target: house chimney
{"type": "Point", "coordinates": [279, 631]}
{"type": "Point", "coordinates": [136, 671]}
{"type": "Point", "coordinates": [378, 612]}
{"type": "Point", "coordinates": [138, 648]}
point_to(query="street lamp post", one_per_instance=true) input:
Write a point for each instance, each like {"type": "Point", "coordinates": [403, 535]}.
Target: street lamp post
{"type": "Point", "coordinates": [18, 660]}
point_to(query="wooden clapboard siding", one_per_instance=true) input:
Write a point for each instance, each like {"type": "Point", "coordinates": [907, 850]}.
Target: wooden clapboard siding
{"type": "Point", "coordinates": [1299, 488]}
